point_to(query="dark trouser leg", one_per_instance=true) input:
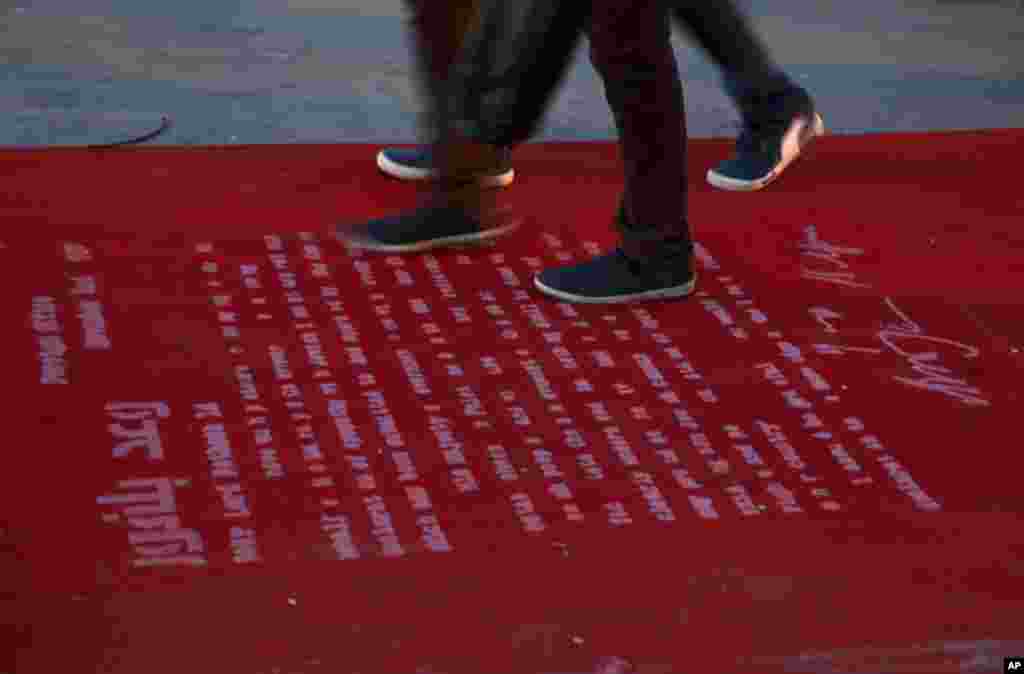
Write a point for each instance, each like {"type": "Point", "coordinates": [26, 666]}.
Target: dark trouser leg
{"type": "Point", "coordinates": [750, 75]}
{"type": "Point", "coordinates": [438, 27]}
{"type": "Point", "coordinates": [510, 66]}
{"type": "Point", "coordinates": [508, 72]}
{"type": "Point", "coordinates": [630, 46]}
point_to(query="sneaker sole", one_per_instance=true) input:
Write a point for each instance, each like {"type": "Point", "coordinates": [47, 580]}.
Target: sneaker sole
{"type": "Point", "coordinates": [675, 292]}
{"type": "Point", "coordinates": [405, 172]}
{"type": "Point", "coordinates": [460, 240]}
{"type": "Point", "coordinates": [796, 139]}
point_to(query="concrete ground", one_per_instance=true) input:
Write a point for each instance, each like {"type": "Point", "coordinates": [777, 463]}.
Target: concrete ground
{"type": "Point", "coordinates": [284, 71]}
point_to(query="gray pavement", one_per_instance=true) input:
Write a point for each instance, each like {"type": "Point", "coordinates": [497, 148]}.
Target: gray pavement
{"type": "Point", "coordinates": [285, 71]}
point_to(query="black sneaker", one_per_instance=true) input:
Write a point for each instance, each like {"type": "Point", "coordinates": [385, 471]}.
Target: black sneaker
{"type": "Point", "coordinates": [766, 147]}
{"type": "Point", "coordinates": [614, 278]}
{"type": "Point", "coordinates": [418, 164]}
{"type": "Point", "coordinates": [426, 227]}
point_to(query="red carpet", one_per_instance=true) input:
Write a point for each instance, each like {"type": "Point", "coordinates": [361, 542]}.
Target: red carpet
{"type": "Point", "coordinates": [222, 427]}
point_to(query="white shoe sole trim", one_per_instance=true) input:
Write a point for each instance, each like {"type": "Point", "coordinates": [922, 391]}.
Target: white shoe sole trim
{"type": "Point", "coordinates": [660, 294]}
{"type": "Point", "coordinates": [403, 172]}
{"type": "Point", "coordinates": [793, 144]}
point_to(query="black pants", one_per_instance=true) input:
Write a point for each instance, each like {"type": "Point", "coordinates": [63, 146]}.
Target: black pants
{"type": "Point", "coordinates": [493, 66]}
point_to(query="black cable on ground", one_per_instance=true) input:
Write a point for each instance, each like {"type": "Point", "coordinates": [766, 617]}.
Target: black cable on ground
{"type": "Point", "coordinates": [165, 124]}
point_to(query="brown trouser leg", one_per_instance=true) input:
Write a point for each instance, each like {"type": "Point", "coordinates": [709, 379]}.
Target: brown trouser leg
{"type": "Point", "coordinates": [439, 27]}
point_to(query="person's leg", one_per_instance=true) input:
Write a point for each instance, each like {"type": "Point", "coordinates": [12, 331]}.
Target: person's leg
{"type": "Point", "coordinates": [779, 118]}
{"type": "Point", "coordinates": [438, 28]}
{"type": "Point", "coordinates": [630, 46]}
{"type": "Point", "coordinates": [506, 73]}
{"type": "Point", "coordinates": [725, 34]}
{"type": "Point", "coordinates": [458, 212]}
